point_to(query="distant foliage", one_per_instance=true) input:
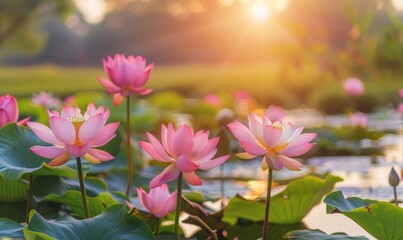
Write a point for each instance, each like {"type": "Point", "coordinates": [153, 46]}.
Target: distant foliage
{"type": "Point", "coordinates": [20, 19]}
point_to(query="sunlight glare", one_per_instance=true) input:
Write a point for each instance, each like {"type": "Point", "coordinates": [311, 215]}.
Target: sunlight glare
{"type": "Point", "coordinates": [93, 10]}
{"type": "Point", "coordinates": [260, 11]}
{"type": "Point", "coordinates": [398, 4]}
{"type": "Point", "coordinates": [226, 3]}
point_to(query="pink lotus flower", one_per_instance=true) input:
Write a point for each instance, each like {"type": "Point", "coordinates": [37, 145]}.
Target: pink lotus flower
{"type": "Point", "coordinates": [359, 119]}
{"type": "Point", "coordinates": [9, 111]}
{"type": "Point", "coordinates": [353, 86]}
{"type": "Point", "coordinates": [127, 76]}
{"type": "Point", "coordinates": [46, 100]}
{"type": "Point", "coordinates": [274, 113]}
{"type": "Point", "coordinates": [241, 95]}
{"type": "Point", "coordinates": [400, 108]}
{"type": "Point", "coordinates": [213, 100]}
{"type": "Point", "coordinates": [74, 134]}
{"type": "Point", "coordinates": [401, 93]}
{"type": "Point", "coordinates": [277, 142]}
{"type": "Point", "coordinates": [158, 202]}
{"type": "Point", "coordinates": [185, 151]}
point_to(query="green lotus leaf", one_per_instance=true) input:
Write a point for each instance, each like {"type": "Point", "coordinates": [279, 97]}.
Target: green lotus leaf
{"type": "Point", "coordinates": [13, 191]}
{"type": "Point", "coordinates": [319, 235]}
{"type": "Point", "coordinates": [15, 211]}
{"type": "Point", "coordinates": [67, 191]}
{"type": "Point", "coordinates": [113, 223]}
{"type": "Point", "coordinates": [72, 198]}
{"type": "Point", "coordinates": [287, 207]}
{"type": "Point", "coordinates": [10, 229]}
{"type": "Point", "coordinates": [382, 220]}
{"type": "Point", "coordinates": [16, 158]}
{"type": "Point", "coordinates": [42, 186]}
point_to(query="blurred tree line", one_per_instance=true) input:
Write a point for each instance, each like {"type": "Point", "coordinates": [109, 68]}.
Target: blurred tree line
{"type": "Point", "coordinates": [352, 35]}
{"type": "Point", "coordinates": [21, 23]}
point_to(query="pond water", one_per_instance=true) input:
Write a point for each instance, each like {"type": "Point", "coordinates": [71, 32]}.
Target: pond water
{"type": "Point", "coordinates": [364, 177]}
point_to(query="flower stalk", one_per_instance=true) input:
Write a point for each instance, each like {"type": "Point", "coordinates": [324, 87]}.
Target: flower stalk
{"type": "Point", "coordinates": [29, 199]}
{"type": "Point", "coordinates": [129, 152]}
{"type": "Point", "coordinates": [267, 208]}
{"type": "Point", "coordinates": [205, 227]}
{"type": "Point", "coordinates": [395, 196]}
{"type": "Point", "coordinates": [178, 206]}
{"type": "Point", "coordinates": [157, 227]}
{"type": "Point", "coordinates": [82, 188]}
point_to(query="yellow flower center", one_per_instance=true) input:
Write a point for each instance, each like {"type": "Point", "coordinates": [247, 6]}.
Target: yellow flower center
{"type": "Point", "coordinates": [77, 122]}
{"type": "Point", "coordinates": [280, 148]}
{"type": "Point", "coordinates": [277, 148]}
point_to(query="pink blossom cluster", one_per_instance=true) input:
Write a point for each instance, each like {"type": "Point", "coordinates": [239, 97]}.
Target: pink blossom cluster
{"type": "Point", "coordinates": [182, 149]}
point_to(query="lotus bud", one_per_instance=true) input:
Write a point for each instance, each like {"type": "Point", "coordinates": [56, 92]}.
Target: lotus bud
{"type": "Point", "coordinates": [393, 178]}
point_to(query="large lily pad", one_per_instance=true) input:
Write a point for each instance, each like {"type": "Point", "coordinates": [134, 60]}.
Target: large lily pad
{"type": "Point", "coordinates": [73, 199]}
{"type": "Point", "coordinates": [67, 191]}
{"type": "Point", "coordinates": [15, 211]}
{"type": "Point", "coordinates": [382, 220]}
{"type": "Point", "coordinates": [287, 207]}
{"type": "Point", "coordinates": [10, 229]}
{"type": "Point", "coordinates": [114, 223]}
{"type": "Point", "coordinates": [13, 191]}
{"type": "Point", "coordinates": [16, 158]}
{"type": "Point", "coordinates": [45, 185]}
{"type": "Point", "coordinates": [319, 235]}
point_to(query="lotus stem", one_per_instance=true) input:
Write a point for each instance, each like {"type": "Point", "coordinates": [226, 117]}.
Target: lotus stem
{"type": "Point", "coordinates": [267, 208]}
{"type": "Point", "coordinates": [29, 198]}
{"type": "Point", "coordinates": [157, 227]}
{"type": "Point", "coordinates": [178, 206]}
{"type": "Point", "coordinates": [205, 227]}
{"type": "Point", "coordinates": [395, 195]}
{"type": "Point", "coordinates": [129, 153]}
{"type": "Point", "coordinates": [222, 185]}
{"type": "Point", "coordinates": [82, 188]}
{"type": "Point", "coordinates": [222, 182]}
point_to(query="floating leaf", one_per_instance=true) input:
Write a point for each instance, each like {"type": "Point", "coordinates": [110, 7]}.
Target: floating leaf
{"type": "Point", "coordinates": [288, 206]}
{"type": "Point", "coordinates": [13, 191]}
{"type": "Point", "coordinates": [16, 158]}
{"type": "Point", "coordinates": [382, 220]}
{"type": "Point", "coordinates": [67, 191]}
{"type": "Point", "coordinates": [15, 211]}
{"type": "Point", "coordinates": [45, 185]}
{"type": "Point", "coordinates": [167, 100]}
{"type": "Point", "coordinates": [64, 171]}
{"type": "Point", "coordinates": [72, 198]}
{"type": "Point", "coordinates": [10, 229]}
{"type": "Point", "coordinates": [357, 133]}
{"type": "Point", "coordinates": [319, 235]}
{"type": "Point", "coordinates": [239, 207]}
{"type": "Point", "coordinates": [114, 223]}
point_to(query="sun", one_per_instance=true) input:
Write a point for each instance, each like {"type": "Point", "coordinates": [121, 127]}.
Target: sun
{"type": "Point", "coordinates": [260, 11]}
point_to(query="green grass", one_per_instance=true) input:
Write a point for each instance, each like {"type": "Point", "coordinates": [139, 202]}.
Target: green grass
{"type": "Point", "coordinates": [199, 80]}
{"type": "Point", "coordinates": [269, 83]}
